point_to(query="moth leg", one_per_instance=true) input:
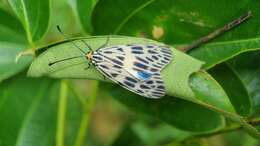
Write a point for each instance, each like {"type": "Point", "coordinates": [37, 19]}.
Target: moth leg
{"type": "Point", "coordinates": [89, 65]}
{"type": "Point", "coordinates": [104, 77]}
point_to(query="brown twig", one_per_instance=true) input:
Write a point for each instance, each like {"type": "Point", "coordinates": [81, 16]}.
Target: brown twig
{"type": "Point", "coordinates": [217, 32]}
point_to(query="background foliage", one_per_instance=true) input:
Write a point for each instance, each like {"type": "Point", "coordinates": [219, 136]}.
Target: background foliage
{"type": "Point", "coordinates": [48, 111]}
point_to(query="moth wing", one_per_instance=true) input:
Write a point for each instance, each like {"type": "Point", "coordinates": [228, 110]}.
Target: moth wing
{"type": "Point", "coordinates": [142, 61]}
{"type": "Point", "coordinates": [152, 88]}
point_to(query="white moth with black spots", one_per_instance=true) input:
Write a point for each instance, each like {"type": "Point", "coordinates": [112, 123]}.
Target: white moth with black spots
{"type": "Point", "coordinates": [135, 67]}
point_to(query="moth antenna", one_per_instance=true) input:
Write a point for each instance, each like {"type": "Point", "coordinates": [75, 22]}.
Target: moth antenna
{"type": "Point", "coordinates": [105, 44]}
{"type": "Point", "coordinates": [57, 61]}
{"type": "Point", "coordinates": [89, 47]}
{"type": "Point", "coordinates": [67, 38]}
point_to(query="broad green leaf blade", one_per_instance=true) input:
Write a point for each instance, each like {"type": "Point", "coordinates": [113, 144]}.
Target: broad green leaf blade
{"type": "Point", "coordinates": [34, 122]}
{"type": "Point", "coordinates": [84, 9]}
{"type": "Point", "coordinates": [234, 87]}
{"type": "Point", "coordinates": [216, 53]}
{"type": "Point", "coordinates": [181, 22]}
{"type": "Point", "coordinates": [175, 75]}
{"type": "Point", "coordinates": [8, 66]}
{"type": "Point", "coordinates": [30, 118]}
{"type": "Point", "coordinates": [11, 29]}
{"type": "Point", "coordinates": [248, 68]}
{"type": "Point", "coordinates": [174, 111]}
{"type": "Point", "coordinates": [209, 91]}
{"type": "Point", "coordinates": [34, 15]}
{"type": "Point", "coordinates": [12, 41]}
{"type": "Point", "coordinates": [117, 18]}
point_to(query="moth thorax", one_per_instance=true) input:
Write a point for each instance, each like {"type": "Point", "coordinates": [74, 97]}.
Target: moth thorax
{"type": "Point", "coordinates": [89, 55]}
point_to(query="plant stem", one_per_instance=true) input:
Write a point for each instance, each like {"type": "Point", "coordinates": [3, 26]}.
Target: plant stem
{"type": "Point", "coordinates": [217, 32]}
{"type": "Point", "coordinates": [233, 127]}
{"type": "Point", "coordinates": [87, 108]}
{"type": "Point", "coordinates": [61, 114]}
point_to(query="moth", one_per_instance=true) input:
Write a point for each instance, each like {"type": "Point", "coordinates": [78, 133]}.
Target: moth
{"type": "Point", "coordinates": [136, 67]}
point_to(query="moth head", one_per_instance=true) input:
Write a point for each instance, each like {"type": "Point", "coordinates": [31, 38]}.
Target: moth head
{"type": "Point", "coordinates": [89, 55]}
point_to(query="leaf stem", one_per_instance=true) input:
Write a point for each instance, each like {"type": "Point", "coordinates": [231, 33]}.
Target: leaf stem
{"type": "Point", "coordinates": [61, 113]}
{"type": "Point", "coordinates": [217, 32]}
{"type": "Point", "coordinates": [233, 127]}
{"type": "Point", "coordinates": [87, 108]}
{"type": "Point", "coordinates": [236, 118]}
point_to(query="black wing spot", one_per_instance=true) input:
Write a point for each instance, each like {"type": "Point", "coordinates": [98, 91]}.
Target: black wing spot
{"type": "Point", "coordinates": [97, 58]}
{"type": "Point", "coordinates": [140, 65]}
{"type": "Point", "coordinates": [160, 82]}
{"type": "Point", "coordinates": [149, 59]}
{"type": "Point", "coordinates": [144, 87]}
{"type": "Point", "coordinates": [158, 93]}
{"type": "Point", "coordinates": [166, 55]}
{"type": "Point", "coordinates": [137, 52]}
{"type": "Point", "coordinates": [164, 62]}
{"type": "Point", "coordinates": [150, 46]}
{"type": "Point", "coordinates": [121, 58]}
{"type": "Point", "coordinates": [104, 66]}
{"type": "Point", "coordinates": [129, 84]}
{"type": "Point", "coordinates": [155, 57]}
{"type": "Point", "coordinates": [137, 48]}
{"type": "Point", "coordinates": [130, 79]}
{"type": "Point", "coordinates": [120, 49]}
{"type": "Point", "coordinates": [117, 66]}
{"type": "Point", "coordinates": [166, 58]}
{"type": "Point", "coordinates": [140, 91]}
{"type": "Point", "coordinates": [157, 66]}
{"type": "Point", "coordinates": [108, 52]}
{"type": "Point", "coordinates": [161, 87]}
{"type": "Point", "coordinates": [154, 70]}
{"type": "Point", "coordinates": [149, 82]}
{"type": "Point", "coordinates": [140, 59]}
{"type": "Point", "coordinates": [114, 75]}
{"type": "Point", "coordinates": [152, 52]}
{"type": "Point", "coordinates": [117, 62]}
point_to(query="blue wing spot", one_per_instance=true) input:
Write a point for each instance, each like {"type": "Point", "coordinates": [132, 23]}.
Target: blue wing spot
{"type": "Point", "coordinates": [143, 75]}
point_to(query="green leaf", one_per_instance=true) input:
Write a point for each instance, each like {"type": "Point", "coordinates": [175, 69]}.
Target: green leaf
{"type": "Point", "coordinates": [34, 15]}
{"type": "Point", "coordinates": [215, 53]}
{"type": "Point", "coordinates": [34, 122]}
{"type": "Point", "coordinates": [181, 22]}
{"type": "Point", "coordinates": [247, 67]}
{"type": "Point", "coordinates": [12, 41]}
{"type": "Point", "coordinates": [176, 112]}
{"type": "Point", "coordinates": [234, 87]}
{"type": "Point", "coordinates": [84, 9]}
{"type": "Point", "coordinates": [8, 66]}
{"type": "Point", "coordinates": [175, 75]}
{"type": "Point", "coordinates": [209, 91]}
{"type": "Point", "coordinates": [11, 29]}
{"type": "Point", "coordinates": [30, 118]}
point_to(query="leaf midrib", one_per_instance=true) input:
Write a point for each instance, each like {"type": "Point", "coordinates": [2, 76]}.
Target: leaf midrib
{"type": "Point", "coordinates": [119, 27]}
{"type": "Point", "coordinates": [26, 23]}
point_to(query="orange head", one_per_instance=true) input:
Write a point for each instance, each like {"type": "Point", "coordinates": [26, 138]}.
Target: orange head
{"type": "Point", "coordinates": [89, 56]}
